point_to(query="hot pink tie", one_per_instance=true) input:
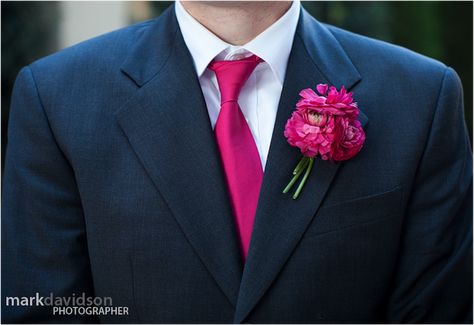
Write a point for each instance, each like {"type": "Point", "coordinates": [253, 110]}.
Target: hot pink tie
{"type": "Point", "coordinates": [239, 154]}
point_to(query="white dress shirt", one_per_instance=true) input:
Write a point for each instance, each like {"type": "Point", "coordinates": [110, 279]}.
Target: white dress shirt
{"type": "Point", "coordinates": [260, 95]}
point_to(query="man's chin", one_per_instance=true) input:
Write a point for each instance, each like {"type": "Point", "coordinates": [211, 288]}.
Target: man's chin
{"type": "Point", "coordinates": [226, 4]}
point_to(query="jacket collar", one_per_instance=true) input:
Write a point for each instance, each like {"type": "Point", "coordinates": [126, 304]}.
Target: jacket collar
{"type": "Point", "coordinates": [155, 44]}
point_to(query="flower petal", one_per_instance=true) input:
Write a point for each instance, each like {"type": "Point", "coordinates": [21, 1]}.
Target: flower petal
{"type": "Point", "coordinates": [322, 89]}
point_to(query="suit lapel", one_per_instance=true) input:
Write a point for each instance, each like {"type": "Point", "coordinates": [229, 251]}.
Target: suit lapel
{"type": "Point", "coordinates": [316, 57]}
{"type": "Point", "coordinates": [167, 125]}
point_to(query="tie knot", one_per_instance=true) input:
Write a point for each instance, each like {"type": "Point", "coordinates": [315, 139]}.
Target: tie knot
{"type": "Point", "coordinates": [232, 75]}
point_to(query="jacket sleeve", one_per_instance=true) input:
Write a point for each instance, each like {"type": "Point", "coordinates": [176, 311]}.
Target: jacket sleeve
{"type": "Point", "coordinates": [44, 248]}
{"type": "Point", "coordinates": [433, 281]}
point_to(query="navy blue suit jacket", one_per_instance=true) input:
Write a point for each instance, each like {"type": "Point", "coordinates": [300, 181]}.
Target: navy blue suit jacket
{"type": "Point", "coordinates": [113, 187]}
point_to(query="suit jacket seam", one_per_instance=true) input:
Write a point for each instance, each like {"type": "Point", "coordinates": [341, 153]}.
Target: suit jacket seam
{"type": "Point", "coordinates": [328, 27]}
{"type": "Point", "coordinates": [310, 56]}
{"type": "Point", "coordinates": [435, 111]}
{"type": "Point", "coordinates": [170, 52]}
{"type": "Point", "coordinates": [45, 113]}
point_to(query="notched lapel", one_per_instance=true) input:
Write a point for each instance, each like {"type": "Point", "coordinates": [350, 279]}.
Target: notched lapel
{"type": "Point", "coordinates": [168, 127]}
{"type": "Point", "coordinates": [316, 57]}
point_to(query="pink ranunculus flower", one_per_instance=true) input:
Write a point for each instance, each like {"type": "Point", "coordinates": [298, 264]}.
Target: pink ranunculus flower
{"type": "Point", "coordinates": [324, 124]}
{"type": "Point", "coordinates": [312, 135]}
{"type": "Point", "coordinates": [350, 140]}
{"type": "Point", "coordinates": [328, 102]}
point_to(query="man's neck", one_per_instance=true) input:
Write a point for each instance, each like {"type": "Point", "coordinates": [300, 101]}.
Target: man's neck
{"type": "Point", "coordinates": [236, 22]}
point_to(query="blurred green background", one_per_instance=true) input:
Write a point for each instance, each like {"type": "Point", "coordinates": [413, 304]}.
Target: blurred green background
{"type": "Point", "coordinates": [441, 30]}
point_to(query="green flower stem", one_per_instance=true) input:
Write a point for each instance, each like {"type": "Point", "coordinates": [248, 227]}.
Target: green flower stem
{"type": "Point", "coordinates": [305, 177]}
{"type": "Point", "coordinates": [300, 165]}
{"type": "Point", "coordinates": [297, 175]}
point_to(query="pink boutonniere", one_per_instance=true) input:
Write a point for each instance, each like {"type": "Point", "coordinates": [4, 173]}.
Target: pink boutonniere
{"type": "Point", "coordinates": [324, 124]}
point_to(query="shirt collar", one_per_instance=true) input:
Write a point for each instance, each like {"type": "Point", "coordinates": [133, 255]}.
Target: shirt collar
{"type": "Point", "coordinates": [272, 45]}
